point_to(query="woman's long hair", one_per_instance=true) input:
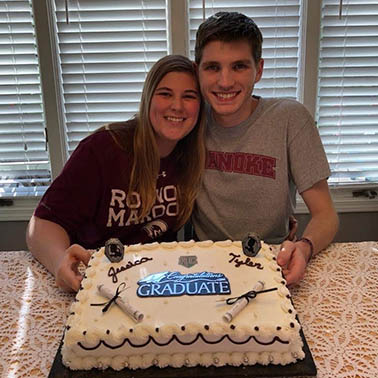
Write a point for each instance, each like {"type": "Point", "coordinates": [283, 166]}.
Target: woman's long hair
{"type": "Point", "coordinates": [137, 138]}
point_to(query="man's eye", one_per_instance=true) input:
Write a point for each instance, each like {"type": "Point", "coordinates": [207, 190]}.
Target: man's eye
{"type": "Point", "coordinates": [240, 66]}
{"type": "Point", "coordinates": [211, 68]}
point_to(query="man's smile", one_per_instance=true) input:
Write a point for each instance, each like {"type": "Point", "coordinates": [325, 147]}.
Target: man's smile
{"type": "Point", "coordinates": [226, 95]}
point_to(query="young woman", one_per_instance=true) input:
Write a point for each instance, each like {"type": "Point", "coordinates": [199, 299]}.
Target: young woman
{"type": "Point", "coordinates": [135, 180]}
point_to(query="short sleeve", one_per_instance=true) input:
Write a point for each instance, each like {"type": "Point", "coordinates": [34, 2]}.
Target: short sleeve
{"type": "Point", "coordinates": [72, 197]}
{"type": "Point", "coordinates": [307, 159]}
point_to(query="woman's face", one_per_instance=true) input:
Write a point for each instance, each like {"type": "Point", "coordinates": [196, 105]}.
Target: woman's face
{"type": "Point", "coordinates": [174, 109]}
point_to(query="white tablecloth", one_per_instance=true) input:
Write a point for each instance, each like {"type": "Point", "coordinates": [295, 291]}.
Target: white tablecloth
{"type": "Point", "coordinates": [337, 303]}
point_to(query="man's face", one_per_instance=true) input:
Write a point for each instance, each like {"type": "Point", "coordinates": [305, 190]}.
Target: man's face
{"type": "Point", "coordinates": [227, 74]}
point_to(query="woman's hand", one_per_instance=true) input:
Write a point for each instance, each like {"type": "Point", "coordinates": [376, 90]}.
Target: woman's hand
{"type": "Point", "coordinates": [67, 274]}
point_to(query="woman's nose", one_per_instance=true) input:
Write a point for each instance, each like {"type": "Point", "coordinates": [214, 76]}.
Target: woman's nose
{"type": "Point", "coordinates": [176, 103]}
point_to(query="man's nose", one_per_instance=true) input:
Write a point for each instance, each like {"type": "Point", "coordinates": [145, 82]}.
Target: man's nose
{"type": "Point", "coordinates": [225, 79]}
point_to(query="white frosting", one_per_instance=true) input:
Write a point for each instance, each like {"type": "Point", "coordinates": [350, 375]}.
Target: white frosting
{"type": "Point", "coordinates": [182, 330]}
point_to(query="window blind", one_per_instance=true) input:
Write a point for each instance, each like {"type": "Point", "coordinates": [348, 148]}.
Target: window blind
{"type": "Point", "coordinates": [279, 22]}
{"type": "Point", "coordinates": [347, 109]}
{"type": "Point", "coordinates": [105, 52]}
{"type": "Point", "coordinates": [24, 161]}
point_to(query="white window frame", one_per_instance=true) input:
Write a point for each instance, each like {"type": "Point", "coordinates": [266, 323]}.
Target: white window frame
{"type": "Point", "coordinates": [342, 196]}
{"type": "Point", "coordinates": [23, 208]}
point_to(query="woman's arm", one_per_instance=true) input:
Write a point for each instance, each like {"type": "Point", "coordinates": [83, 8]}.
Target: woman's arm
{"type": "Point", "coordinates": [50, 245]}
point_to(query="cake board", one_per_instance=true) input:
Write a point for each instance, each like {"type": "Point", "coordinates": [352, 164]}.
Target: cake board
{"type": "Point", "coordinates": [305, 367]}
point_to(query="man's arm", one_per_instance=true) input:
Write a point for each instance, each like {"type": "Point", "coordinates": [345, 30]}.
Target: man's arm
{"type": "Point", "coordinates": [50, 245]}
{"type": "Point", "coordinates": [321, 229]}
{"type": "Point", "coordinates": [324, 221]}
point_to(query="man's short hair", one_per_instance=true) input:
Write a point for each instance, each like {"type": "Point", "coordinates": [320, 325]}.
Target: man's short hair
{"type": "Point", "coordinates": [229, 27]}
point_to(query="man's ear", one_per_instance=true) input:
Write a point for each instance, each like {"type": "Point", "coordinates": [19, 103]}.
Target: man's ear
{"type": "Point", "coordinates": [259, 70]}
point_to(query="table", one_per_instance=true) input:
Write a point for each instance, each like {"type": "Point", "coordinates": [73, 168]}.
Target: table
{"type": "Point", "coordinates": [337, 303]}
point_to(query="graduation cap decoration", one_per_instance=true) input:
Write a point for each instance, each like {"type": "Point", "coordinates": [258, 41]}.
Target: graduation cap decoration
{"type": "Point", "coordinates": [114, 250]}
{"type": "Point", "coordinates": [251, 244]}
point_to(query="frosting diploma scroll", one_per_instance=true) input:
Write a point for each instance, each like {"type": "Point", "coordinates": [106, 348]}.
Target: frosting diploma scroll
{"type": "Point", "coordinates": [123, 303]}
{"type": "Point", "coordinates": [241, 303]}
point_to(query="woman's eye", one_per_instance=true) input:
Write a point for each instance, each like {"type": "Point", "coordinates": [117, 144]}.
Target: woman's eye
{"type": "Point", "coordinates": [191, 97]}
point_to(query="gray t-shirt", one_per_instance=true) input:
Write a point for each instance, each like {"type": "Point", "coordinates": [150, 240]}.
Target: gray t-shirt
{"type": "Point", "coordinates": [254, 169]}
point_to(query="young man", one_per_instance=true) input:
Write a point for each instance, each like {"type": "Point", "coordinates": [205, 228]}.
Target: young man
{"type": "Point", "coordinates": [260, 151]}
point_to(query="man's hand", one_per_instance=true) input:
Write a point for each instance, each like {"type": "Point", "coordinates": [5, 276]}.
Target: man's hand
{"type": "Point", "coordinates": [67, 273]}
{"type": "Point", "coordinates": [293, 258]}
